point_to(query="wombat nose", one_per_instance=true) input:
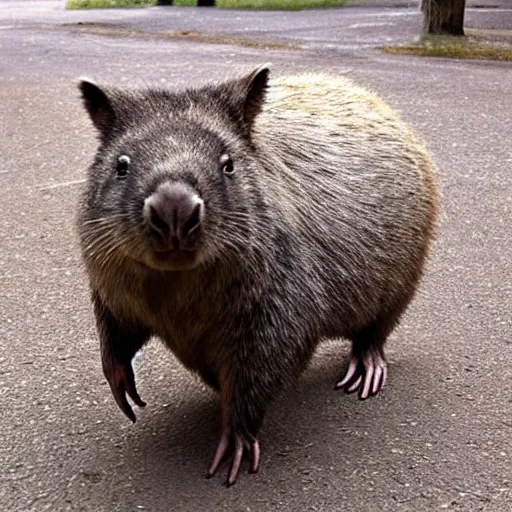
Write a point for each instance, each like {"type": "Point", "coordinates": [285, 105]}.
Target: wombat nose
{"type": "Point", "coordinates": [174, 213]}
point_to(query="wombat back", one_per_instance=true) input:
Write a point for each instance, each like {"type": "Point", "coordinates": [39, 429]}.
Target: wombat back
{"type": "Point", "coordinates": [355, 183]}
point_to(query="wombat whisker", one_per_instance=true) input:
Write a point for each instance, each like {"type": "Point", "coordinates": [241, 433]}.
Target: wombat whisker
{"type": "Point", "coordinates": [125, 241]}
{"type": "Point", "coordinates": [101, 242]}
{"type": "Point", "coordinates": [110, 254]}
{"type": "Point", "coordinates": [113, 219]}
{"type": "Point", "coordinates": [100, 234]}
{"type": "Point", "coordinates": [101, 231]}
{"type": "Point", "coordinates": [110, 246]}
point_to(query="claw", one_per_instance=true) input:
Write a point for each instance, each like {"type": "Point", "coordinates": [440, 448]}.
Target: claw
{"type": "Point", "coordinates": [255, 462]}
{"type": "Point", "coordinates": [239, 446]}
{"type": "Point", "coordinates": [355, 385]}
{"type": "Point", "coordinates": [352, 367]}
{"type": "Point", "coordinates": [221, 451]}
{"type": "Point", "coordinates": [122, 382]}
{"type": "Point", "coordinates": [377, 380]}
{"type": "Point", "coordinates": [368, 379]}
{"type": "Point", "coordinates": [366, 374]}
{"type": "Point", "coordinates": [237, 461]}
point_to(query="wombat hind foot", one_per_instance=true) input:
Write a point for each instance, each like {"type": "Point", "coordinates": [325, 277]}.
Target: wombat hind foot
{"type": "Point", "coordinates": [240, 445]}
{"type": "Point", "coordinates": [366, 373]}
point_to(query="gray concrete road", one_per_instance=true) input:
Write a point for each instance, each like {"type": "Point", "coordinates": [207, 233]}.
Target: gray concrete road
{"type": "Point", "coordinates": [438, 438]}
{"type": "Point", "coordinates": [325, 30]}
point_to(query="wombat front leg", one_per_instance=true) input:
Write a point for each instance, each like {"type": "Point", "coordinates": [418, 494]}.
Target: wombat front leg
{"type": "Point", "coordinates": [367, 370]}
{"type": "Point", "coordinates": [255, 373]}
{"type": "Point", "coordinates": [243, 408]}
{"type": "Point", "coordinates": [119, 344]}
{"type": "Point", "coordinates": [239, 445]}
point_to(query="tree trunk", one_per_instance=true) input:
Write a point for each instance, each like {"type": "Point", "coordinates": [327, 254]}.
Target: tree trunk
{"type": "Point", "coordinates": [443, 17]}
{"type": "Point", "coordinates": [164, 2]}
{"type": "Point", "coordinates": [205, 3]}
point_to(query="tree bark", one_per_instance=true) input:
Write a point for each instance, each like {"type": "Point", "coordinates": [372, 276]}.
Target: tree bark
{"type": "Point", "coordinates": [443, 17]}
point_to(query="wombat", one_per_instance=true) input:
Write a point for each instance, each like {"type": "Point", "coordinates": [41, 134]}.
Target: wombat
{"type": "Point", "coordinates": [245, 221]}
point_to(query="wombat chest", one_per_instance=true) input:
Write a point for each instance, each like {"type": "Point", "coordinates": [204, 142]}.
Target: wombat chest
{"type": "Point", "coordinates": [188, 319]}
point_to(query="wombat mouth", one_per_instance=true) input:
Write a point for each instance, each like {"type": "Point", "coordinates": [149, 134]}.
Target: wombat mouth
{"type": "Point", "coordinates": [173, 259]}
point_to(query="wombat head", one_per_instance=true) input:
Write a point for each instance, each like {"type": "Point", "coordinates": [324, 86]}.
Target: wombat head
{"type": "Point", "coordinates": [175, 180]}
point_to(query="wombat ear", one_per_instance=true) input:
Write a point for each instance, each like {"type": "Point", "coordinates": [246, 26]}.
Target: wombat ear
{"type": "Point", "coordinates": [254, 87]}
{"type": "Point", "coordinates": [97, 104]}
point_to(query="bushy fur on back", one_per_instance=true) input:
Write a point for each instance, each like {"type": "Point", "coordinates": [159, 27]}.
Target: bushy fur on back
{"type": "Point", "coordinates": [359, 190]}
{"type": "Point", "coordinates": [323, 228]}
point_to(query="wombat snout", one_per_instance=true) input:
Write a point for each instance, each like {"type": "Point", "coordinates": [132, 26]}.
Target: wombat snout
{"type": "Point", "coordinates": [174, 213]}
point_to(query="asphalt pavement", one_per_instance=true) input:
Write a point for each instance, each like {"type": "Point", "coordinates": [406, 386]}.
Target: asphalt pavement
{"type": "Point", "coordinates": [440, 435]}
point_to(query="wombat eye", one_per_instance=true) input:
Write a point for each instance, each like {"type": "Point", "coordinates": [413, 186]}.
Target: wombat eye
{"type": "Point", "coordinates": [123, 163]}
{"type": "Point", "coordinates": [227, 165]}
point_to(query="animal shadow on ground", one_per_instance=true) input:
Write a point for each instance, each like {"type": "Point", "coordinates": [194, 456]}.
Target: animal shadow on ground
{"type": "Point", "coordinates": [309, 426]}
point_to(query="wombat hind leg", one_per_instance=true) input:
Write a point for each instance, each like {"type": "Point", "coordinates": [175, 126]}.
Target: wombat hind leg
{"type": "Point", "coordinates": [367, 370]}
{"type": "Point", "coordinates": [366, 373]}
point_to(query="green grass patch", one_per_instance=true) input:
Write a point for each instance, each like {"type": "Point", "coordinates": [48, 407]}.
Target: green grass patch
{"type": "Point", "coordinates": [454, 48]}
{"type": "Point", "coordinates": [285, 5]}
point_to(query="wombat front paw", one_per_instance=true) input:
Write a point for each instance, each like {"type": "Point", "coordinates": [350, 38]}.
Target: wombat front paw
{"type": "Point", "coordinates": [239, 444]}
{"type": "Point", "coordinates": [367, 373]}
{"type": "Point", "coordinates": [122, 382]}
